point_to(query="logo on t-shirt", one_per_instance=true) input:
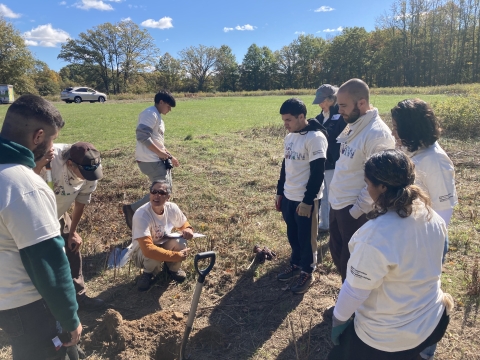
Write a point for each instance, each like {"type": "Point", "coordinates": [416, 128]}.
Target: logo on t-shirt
{"type": "Point", "coordinates": [358, 273]}
{"type": "Point", "coordinates": [445, 197]}
{"type": "Point", "coordinates": [290, 154]}
{"type": "Point", "coordinates": [347, 150]}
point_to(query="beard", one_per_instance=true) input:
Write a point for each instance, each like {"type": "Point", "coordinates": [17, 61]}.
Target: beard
{"type": "Point", "coordinates": [353, 116]}
{"type": "Point", "coordinates": [40, 150]}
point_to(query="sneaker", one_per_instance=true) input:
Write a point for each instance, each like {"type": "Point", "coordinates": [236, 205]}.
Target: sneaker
{"type": "Point", "coordinates": [290, 272]}
{"type": "Point", "coordinates": [303, 283]}
{"type": "Point", "coordinates": [90, 304]}
{"type": "Point", "coordinates": [179, 276]}
{"type": "Point", "coordinates": [128, 213]}
{"type": "Point", "coordinates": [144, 281]}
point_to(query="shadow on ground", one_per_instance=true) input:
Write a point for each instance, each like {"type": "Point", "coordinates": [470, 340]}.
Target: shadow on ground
{"type": "Point", "coordinates": [245, 318]}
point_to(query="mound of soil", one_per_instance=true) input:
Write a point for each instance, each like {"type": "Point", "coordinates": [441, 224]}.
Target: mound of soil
{"type": "Point", "coordinates": [156, 336]}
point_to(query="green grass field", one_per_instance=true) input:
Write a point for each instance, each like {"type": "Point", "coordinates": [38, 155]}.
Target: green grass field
{"type": "Point", "coordinates": [112, 125]}
{"type": "Point", "coordinates": [226, 186]}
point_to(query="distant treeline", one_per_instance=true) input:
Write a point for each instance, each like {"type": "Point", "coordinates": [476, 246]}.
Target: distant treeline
{"type": "Point", "coordinates": [416, 43]}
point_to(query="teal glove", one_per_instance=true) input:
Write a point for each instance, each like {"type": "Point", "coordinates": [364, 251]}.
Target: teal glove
{"type": "Point", "coordinates": [338, 330]}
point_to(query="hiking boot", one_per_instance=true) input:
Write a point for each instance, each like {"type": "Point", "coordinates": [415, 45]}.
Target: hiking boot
{"type": "Point", "coordinates": [128, 213]}
{"type": "Point", "coordinates": [90, 304]}
{"type": "Point", "coordinates": [290, 272]}
{"type": "Point", "coordinates": [144, 281]}
{"type": "Point", "coordinates": [303, 283]}
{"type": "Point", "coordinates": [179, 276]}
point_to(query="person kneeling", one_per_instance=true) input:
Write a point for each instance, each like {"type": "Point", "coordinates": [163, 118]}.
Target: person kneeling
{"type": "Point", "coordinates": [151, 225]}
{"type": "Point", "coordinates": [393, 276]}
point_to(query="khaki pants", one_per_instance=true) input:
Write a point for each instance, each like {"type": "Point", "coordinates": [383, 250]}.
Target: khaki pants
{"type": "Point", "coordinates": [153, 266]}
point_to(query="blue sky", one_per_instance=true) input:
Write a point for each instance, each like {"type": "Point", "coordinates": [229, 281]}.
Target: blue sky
{"type": "Point", "coordinates": [178, 24]}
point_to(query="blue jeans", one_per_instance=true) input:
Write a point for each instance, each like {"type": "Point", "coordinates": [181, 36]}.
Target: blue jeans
{"type": "Point", "coordinates": [302, 234]}
{"type": "Point", "coordinates": [31, 329]}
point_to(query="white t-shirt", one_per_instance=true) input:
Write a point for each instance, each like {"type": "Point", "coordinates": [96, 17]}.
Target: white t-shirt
{"type": "Point", "coordinates": [66, 186]}
{"type": "Point", "coordinates": [147, 223]}
{"type": "Point", "coordinates": [434, 173]}
{"type": "Point", "coordinates": [400, 261]}
{"type": "Point", "coordinates": [365, 137]}
{"type": "Point", "coordinates": [28, 216]}
{"type": "Point", "coordinates": [150, 117]}
{"type": "Point", "coordinates": [300, 150]}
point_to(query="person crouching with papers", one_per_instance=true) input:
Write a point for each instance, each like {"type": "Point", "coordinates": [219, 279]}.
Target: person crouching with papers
{"type": "Point", "coordinates": [151, 225]}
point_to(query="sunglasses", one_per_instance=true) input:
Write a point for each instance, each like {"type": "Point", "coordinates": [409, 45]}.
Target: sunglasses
{"type": "Point", "coordinates": [88, 167]}
{"type": "Point", "coordinates": [159, 192]}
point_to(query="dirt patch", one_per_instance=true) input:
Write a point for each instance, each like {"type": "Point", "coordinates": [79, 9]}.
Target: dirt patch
{"type": "Point", "coordinates": [157, 336]}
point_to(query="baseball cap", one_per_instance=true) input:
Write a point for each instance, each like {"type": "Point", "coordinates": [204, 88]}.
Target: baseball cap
{"type": "Point", "coordinates": [88, 160]}
{"type": "Point", "coordinates": [323, 92]}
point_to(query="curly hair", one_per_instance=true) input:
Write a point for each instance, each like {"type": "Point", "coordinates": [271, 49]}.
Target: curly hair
{"type": "Point", "coordinates": [417, 125]}
{"type": "Point", "coordinates": [394, 170]}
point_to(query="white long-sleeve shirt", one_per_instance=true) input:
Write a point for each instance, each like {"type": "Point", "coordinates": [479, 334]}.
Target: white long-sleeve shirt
{"type": "Point", "coordinates": [365, 137]}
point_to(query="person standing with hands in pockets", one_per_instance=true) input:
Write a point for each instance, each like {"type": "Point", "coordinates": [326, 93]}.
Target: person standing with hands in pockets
{"type": "Point", "coordinates": [299, 190]}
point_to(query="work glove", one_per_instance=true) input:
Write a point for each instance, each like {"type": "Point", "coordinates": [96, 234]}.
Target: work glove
{"type": "Point", "coordinates": [278, 202]}
{"type": "Point", "coordinates": [304, 209]}
{"type": "Point", "coordinates": [338, 327]}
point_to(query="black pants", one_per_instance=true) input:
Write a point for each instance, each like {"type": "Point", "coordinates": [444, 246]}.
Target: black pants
{"type": "Point", "coordinates": [302, 234]}
{"type": "Point", "coordinates": [342, 227]}
{"type": "Point", "coordinates": [31, 329]}
{"type": "Point", "coordinates": [352, 348]}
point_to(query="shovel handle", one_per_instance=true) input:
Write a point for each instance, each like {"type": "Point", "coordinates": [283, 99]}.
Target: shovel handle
{"type": "Point", "coordinates": [204, 272]}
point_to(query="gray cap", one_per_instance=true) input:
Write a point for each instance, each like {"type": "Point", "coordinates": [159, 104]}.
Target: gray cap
{"type": "Point", "coordinates": [323, 92]}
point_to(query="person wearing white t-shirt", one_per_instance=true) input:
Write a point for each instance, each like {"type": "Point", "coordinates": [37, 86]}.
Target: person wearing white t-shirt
{"type": "Point", "coordinates": [36, 288]}
{"type": "Point", "coordinates": [152, 247]}
{"type": "Point", "coordinates": [365, 134]}
{"type": "Point", "coordinates": [393, 278]}
{"type": "Point", "coordinates": [75, 170]}
{"type": "Point", "coordinates": [416, 130]}
{"type": "Point", "coordinates": [153, 158]}
{"type": "Point", "coordinates": [299, 190]}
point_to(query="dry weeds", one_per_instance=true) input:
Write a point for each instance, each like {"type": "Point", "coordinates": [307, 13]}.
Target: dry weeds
{"type": "Point", "coordinates": [226, 186]}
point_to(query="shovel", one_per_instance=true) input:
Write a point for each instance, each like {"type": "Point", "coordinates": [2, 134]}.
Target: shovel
{"type": "Point", "coordinates": [196, 296]}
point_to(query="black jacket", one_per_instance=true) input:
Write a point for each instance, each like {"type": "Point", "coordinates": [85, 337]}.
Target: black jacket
{"type": "Point", "coordinates": [334, 126]}
{"type": "Point", "coordinates": [317, 168]}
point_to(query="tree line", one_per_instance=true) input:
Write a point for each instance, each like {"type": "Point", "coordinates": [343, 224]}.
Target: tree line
{"type": "Point", "coordinates": [415, 43]}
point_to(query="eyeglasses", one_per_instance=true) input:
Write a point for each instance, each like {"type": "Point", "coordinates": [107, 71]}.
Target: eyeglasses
{"type": "Point", "coordinates": [88, 167]}
{"type": "Point", "coordinates": [159, 192]}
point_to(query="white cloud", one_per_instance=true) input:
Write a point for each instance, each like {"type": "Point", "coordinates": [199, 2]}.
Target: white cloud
{"type": "Point", "coordinates": [163, 23]}
{"type": "Point", "coordinates": [93, 4]}
{"type": "Point", "coordinates": [299, 32]}
{"type": "Point", "coordinates": [324, 9]}
{"type": "Point", "coordinates": [245, 27]}
{"type": "Point", "coordinates": [62, 3]}
{"type": "Point", "coordinates": [6, 12]}
{"type": "Point", "coordinates": [46, 36]}
{"type": "Point", "coordinates": [339, 29]}
{"type": "Point", "coordinates": [126, 19]}
{"type": "Point", "coordinates": [225, 29]}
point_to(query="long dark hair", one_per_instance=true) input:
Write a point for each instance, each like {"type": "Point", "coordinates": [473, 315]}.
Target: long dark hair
{"type": "Point", "coordinates": [417, 125]}
{"type": "Point", "coordinates": [394, 170]}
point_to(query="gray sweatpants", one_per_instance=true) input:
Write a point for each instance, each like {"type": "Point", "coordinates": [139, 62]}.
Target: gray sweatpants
{"type": "Point", "coordinates": [154, 171]}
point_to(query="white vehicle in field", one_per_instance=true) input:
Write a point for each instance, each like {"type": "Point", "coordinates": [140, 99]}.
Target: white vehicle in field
{"type": "Point", "coordinates": [79, 94]}
{"type": "Point", "coordinates": [6, 94]}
